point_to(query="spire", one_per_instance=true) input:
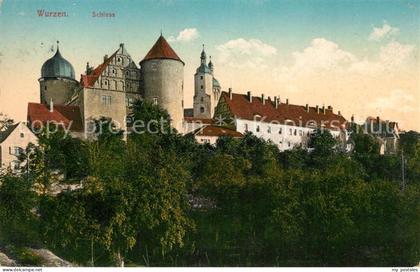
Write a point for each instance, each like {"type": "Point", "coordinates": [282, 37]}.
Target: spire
{"type": "Point", "coordinates": [203, 57]}
{"type": "Point", "coordinates": [57, 53]}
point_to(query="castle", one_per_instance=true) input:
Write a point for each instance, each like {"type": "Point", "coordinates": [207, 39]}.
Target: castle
{"type": "Point", "coordinates": [110, 89]}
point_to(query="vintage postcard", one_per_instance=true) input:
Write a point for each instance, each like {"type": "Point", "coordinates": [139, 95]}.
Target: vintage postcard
{"type": "Point", "coordinates": [209, 133]}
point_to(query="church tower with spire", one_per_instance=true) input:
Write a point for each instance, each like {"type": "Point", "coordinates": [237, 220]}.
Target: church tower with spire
{"type": "Point", "coordinates": [206, 88]}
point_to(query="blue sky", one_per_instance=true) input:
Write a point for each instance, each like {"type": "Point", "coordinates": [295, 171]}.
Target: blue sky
{"type": "Point", "coordinates": [286, 24]}
{"type": "Point", "coordinates": [255, 43]}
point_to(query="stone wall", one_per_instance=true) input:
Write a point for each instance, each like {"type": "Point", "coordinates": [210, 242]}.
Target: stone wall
{"type": "Point", "coordinates": [60, 90]}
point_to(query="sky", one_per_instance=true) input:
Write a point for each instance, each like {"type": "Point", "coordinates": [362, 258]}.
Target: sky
{"type": "Point", "coordinates": [361, 57]}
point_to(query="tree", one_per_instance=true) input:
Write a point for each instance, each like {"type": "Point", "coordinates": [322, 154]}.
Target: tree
{"type": "Point", "coordinates": [408, 142]}
{"type": "Point", "coordinates": [323, 147]}
{"type": "Point", "coordinates": [149, 118]}
{"type": "Point", "coordinates": [18, 204]}
{"type": "Point", "coordinates": [5, 122]}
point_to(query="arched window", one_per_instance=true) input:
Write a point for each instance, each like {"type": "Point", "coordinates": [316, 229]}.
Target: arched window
{"type": "Point", "coordinates": [202, 109]}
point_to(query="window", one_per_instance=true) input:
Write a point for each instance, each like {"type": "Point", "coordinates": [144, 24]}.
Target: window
{"type": "Point", "coordinates": [300, 133]}
{"type": "Point", "coordinates": [22, 135]}
{"type": "Point", "coordinates": [17, 151]}
{"type": "Point", "coordinates": [288, 144]}
{"type": "Point", "coordinates": [119, 59]}
{"type": "Point", "coordinates": [202, 109]}
{"type": "Point", "coordinates": [258, 128]}
{"type": "Point", "coordinates": [201, 77]}
{"type": "Point", "coordinates": [106, 100]}
{"type": "Point", "coordinates": [129, 102]}
{"type": "Point", "coordinates": [290, 131]}
{"type": "Point", "coordinates": [295, 132]}
{"type": "Point", "coordinates": [155, 100]}
{"type": "Point", "coordinates": [246, 127]}
{"type": "Point", "coordinates": [154, 66]}
{"type": "Point", "coordinates": [279, 130]}
{"type": "Point", "coordinates": [202, 99]}
{"type": "Point", "coordinates": [269, 130]}
{"type": "Point", "coordinates": [45, 88]}
{"type": "Point", "coordinates": [201, 86]}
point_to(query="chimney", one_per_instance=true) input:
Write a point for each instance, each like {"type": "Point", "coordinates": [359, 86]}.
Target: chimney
{"type": "Point", "coordinates": [330, 108]}
{"type": "Point", "coordinates": [307, 108]}
{"type": "Point", "coordinates": [230, 93]}
{"type": "Point", "coordinates": [352, 118]}
{"type": "Point", "coordinates": [51, 105]}
{"type": "Point", "coordinates": [377, 119]}
{"type": "Point", "coordinates": [287, 101]}
{"type": "Point", "coordinates": [323, 109]}
{"type": "Point", "coordinates": [87, 67]}
{"type": "Point", "coordinates": [263, 99]}
{"type": "Point", "coordinates": [249, 96]}
{"type": "Point", "coordinates": [317, 109]}
{"type": "Point", "coordinates": [121, 45]}
{"type": "Point", "coordinates": [339, 113]}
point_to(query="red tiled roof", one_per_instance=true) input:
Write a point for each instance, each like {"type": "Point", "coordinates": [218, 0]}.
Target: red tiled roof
{"type": "Point", "coordinates": [61, 114]}
{"type": "Point", "coordinates": [198, 120]}
{"type": "Point", "coordinates": [161, 50]}
{"type": "Point", "coordinates": [217, 131]}
{"type": "Point", "coordinates": [241, 108]}
{"type": "Point", "coordinates": [90, 79]}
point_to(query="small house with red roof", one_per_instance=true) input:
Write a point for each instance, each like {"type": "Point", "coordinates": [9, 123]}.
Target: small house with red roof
{"type": "Point", "coordinates": [209, 134]}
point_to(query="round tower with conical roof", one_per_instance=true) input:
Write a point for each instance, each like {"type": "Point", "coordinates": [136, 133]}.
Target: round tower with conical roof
{"type": "Point", "coordinates": [162, 77]}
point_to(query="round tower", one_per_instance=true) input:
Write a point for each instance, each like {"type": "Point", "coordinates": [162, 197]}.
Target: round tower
{"type": "Point", "coordinates": [57, 81]}
{"type": "Point", "coordinates": [162, 73]}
